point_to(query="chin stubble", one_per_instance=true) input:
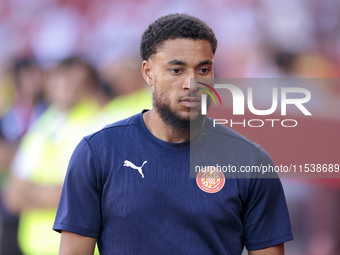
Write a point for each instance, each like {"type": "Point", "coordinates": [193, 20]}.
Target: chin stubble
{"type": "Point", "coordinates": [177, 123]}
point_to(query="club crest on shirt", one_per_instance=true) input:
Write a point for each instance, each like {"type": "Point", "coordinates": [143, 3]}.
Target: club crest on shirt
{"type": "Point", "coordinates": [210, 181]}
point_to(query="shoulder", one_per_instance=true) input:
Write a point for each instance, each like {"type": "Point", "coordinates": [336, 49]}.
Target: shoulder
{"type": "Point", "coordinates": [227, 146]}
{"type": "Point", "coordinates": [125, 123]}
{"type": "Point", "coordinates": [119, 129]}
{"type": "Point", "coordinates": [227, 134]}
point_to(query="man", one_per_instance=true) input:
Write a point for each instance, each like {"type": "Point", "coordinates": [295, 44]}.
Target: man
{"type": "Point", "coordinates": [39, 166]}
{"type": "Point", "coordinates": [29, 105]}
{"type": "Point", "coordinates": [131, 93]}
{"type": "Point", "coordinates": [128, 186]}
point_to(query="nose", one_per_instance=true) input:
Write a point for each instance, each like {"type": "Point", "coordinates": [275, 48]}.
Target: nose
{"type": "Point", "coordinates": [189, 82]}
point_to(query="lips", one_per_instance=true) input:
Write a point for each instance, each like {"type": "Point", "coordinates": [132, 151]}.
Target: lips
{"type": "Point", "coordinates": [190, 102]}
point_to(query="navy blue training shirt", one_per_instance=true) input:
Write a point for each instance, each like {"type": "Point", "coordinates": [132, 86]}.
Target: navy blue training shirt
{"type": "Point", "coordinates": [133, 192]}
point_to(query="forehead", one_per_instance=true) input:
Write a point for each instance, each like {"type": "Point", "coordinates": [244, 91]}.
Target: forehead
{"type": "Point", "coordinates": [186, 50]}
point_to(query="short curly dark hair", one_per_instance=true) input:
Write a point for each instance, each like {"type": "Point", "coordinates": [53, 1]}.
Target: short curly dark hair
{"type": "Point", "coordinates": [174, 26]}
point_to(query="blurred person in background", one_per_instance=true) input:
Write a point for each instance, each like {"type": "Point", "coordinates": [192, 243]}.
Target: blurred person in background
{"type": "Point", "coordinates": [313, 203]}
{"type": "Point", "coordinates": [124, 76]}
{"type": "Point", "coordinates": [129, 90]}
{"type": "Point", "coordinates": [40, 164]}
{"type": "Point", "coordinates": [28, 106]}
{"type": "Point", "coordinates": [322, 207]}
{"type": "Point", "coordinates": [7, 88]}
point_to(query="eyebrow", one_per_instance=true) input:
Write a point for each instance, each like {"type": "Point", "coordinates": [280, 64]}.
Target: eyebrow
{"type": "Point", "coordinates": [182, 63]}
{"type": "Point", "coordinates": [206, 62]}
{"type": "Point", "coordinates": [177, 62]}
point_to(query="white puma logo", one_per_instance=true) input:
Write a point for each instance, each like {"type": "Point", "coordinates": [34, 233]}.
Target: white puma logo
{"type": "Point", "coordinates": [129, 164]}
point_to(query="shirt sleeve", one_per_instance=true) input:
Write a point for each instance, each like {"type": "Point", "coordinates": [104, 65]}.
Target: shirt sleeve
{"type": "Point", "coordinates": [266, 218]}
{"type": "Point", "coordinates": [79, 206]}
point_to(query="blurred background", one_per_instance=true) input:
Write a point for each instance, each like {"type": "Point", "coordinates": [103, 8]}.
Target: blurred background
{"type": "Point", "coordinates": [69, 67]}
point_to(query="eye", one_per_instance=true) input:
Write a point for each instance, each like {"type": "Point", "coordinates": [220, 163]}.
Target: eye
{"type": "Point", "coordinates": [176, 70]}
{"type": "Point", "coordinates": [204, 70]}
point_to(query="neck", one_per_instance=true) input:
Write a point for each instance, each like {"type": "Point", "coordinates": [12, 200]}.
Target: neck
{"type": "Point", "coordinates": [163, 131]}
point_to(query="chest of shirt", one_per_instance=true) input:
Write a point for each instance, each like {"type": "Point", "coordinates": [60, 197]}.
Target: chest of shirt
{"type": "Point", "coordinates": [139, 185]}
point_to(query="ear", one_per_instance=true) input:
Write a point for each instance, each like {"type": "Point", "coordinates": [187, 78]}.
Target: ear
{"type": "Point", "coordinates": [147, 71]}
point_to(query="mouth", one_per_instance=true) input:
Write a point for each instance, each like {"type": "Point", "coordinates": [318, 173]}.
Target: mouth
{"type": "Point", "coordinates": [190, 102]}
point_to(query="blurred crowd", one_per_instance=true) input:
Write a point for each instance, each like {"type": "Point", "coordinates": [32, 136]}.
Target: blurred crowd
{"type": "Point", "coordinates": [70, 67]}
{"type": "Point", "coordinates": [51, 112]}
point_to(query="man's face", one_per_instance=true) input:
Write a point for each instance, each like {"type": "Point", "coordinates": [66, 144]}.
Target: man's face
{"type": "Point", "coordinates": [67, 86]}
{"type": "Point", "coordinates": [170, 70]}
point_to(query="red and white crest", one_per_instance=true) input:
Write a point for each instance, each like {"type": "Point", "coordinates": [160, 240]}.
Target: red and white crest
{"type": "Point", "coordinates": [210, 181]}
